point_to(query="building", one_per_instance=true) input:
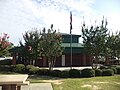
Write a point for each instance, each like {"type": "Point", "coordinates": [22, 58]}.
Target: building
{"type": "Point", "coordinates": [79, 58]}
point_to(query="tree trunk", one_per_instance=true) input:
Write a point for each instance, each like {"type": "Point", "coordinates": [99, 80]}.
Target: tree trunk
{"type": "Point", "coordinates": [107, 61]}
{"type": "Point", "coordinates": [54, 61]}
{"type": "Point", "coordinates": [91, 59]}
{"type": "Point", "coordinates": [97, 62]}
{"type": "Point", "coordinates": [50, 64]}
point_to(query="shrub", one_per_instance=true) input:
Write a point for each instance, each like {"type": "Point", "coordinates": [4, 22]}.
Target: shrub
{"type": "Point", "coordinates": [43, 72]}
{"type": "Point", "coordinates": [28, 67]}
{"type": "Point", "coordinates": [74, 73]}
{"type": "Point", "coordinates": [55, 73]}
{"type": "Point", "coordinates": [64, 74]}
{"type": "Point", "coordinates": [103, 67]}
{"type": "Point", "coordinates": [20, 68]}
{"type": "Point", "coordinates": [6, 62]}
{"type": "Point", "coordinates": [114, 69]}
{"type": "Point", "coordinates": [98, 72]}
{"type": "Point", "coordinates": [5, 68]}
{"type": "Point", "coordinates": [118, 70]}
{"type": "Point", "coordinates": [33, 70]}
{"type": "Point", "coordinates": [12, 67]}
{"type": "Point", "coordinates": [112, 66]}
{"type": "Point", "coordinates": [87, 73]}
{"type": "Point", "coordinates": [108, 72]}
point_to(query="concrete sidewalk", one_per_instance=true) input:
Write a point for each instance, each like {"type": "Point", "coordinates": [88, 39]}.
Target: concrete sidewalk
{"type": "Point", "coordinates": [37, 86]}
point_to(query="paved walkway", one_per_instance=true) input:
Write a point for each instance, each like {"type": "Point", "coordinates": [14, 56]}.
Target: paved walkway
{"type": "Point", "coordinates": [37, 86]}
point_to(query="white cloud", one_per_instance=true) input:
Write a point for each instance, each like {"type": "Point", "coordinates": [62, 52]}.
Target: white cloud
{"type": "Point", "coordinates": [19, 16]}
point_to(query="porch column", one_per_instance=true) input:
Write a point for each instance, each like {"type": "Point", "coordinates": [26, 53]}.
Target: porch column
{"type": "Point", "coordinates": [63, 60]}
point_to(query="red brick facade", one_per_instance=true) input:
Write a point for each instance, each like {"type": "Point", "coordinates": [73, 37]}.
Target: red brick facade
{"type": "Point", "coordinates": [77, 60]}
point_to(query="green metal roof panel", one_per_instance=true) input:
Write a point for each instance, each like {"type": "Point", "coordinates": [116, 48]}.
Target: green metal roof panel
{"type": "Point", "coordinates": [73, 45]}
{"type": "Point", "coordinates": [74, 50]}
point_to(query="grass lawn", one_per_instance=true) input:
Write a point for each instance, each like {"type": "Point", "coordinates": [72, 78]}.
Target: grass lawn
{"type": "Point", "coordinates": [96, 83]}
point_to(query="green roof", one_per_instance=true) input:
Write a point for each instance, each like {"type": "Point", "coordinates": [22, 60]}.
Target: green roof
{"type": "Point", "coordinates": [73, 45]}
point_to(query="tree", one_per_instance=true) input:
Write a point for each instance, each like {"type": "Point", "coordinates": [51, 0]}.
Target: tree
{"type": "Point", "coordinates": [51, 45]}
{"type": "Point", "coordinates": [114, 45]}
{"type": "Point", "coordinates": [117, 48]}
{"type": "Point", "coordinates": [5, 45]}
{"type": "Point", "coordinates": [31, 46]}
{"type": "Point", "coordinates": [47, 44]}
{"type": "Point", "coordinates": [94, 40]}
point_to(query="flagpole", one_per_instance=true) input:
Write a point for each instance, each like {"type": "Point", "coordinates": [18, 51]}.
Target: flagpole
{"type": "Point", "coordinates": [71, 40]}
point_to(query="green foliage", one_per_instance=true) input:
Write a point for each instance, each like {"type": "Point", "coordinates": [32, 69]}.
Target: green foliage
{"type": "Point", "coordinates": [114, 44]}
{"type": "Point", "coordinates": [108, 72]}
{"type": "Point", "coordinates": [30, 50]}
{"type": "Point", "coordinates": [19, 68]}
{"type": "Point", "coordinates": [28, 67]}
{"type": "Point", "coordinates": [6, 62]}
{"type": "Point", "coordinates": [112, 66]}
{"type": "Point", "coordinates": [51, 45]}
{"type": "Point", "coordinates": [98, 72]}
{"type": "Point", "coordinates": [41, 43]}
{"type": "Point", "coordinates": [103, 67]}
{"type": "Point", "coordinates": [114, 69]}
{"type": "Point", "coordinates": [74, 73]}
{"type": "Point", "coordinates": [95, 40]}
{"type": "Point", "coordinates": [43, 72]}
{"type": "Point", "coordinates": [55, 73]}
{"type": "Point", "coordinates": [118, 70]}
{"type": "Point", "coordinates": [34, 70]}
{"type": "Point", "coordinates": [87, 73]}
{"type": "Point", "coordinates": [64, 74]}
{"type": "Point", "coordinates": [5, 68]}
{"type": "Point", "coordinates": [12, 68]}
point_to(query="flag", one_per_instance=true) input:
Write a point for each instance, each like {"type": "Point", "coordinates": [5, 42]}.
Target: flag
{"type": "Point", "coordinates": [70, 22]}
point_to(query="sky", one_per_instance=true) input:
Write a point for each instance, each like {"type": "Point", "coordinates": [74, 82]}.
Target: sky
{"type": "Point", "coordinates": [19, 16]}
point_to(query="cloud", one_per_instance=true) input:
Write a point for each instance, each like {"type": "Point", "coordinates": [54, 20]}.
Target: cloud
{"type": "Point", "coordinates": [57, 12]}
{"type": "Point", "coordinates": [19, 16]}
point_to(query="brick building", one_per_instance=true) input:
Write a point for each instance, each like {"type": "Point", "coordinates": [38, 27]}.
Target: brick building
{"type": "Point", "coordinates": [79, 58]}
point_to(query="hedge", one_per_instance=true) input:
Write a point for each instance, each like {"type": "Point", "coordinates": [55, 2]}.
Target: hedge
{"type": "Point", "coordinates": [118, 70]}
{"type": "Point", "coordinates": [43, 72]}
{"type": "Point", "coordinates": [98, 72]}
{"type": "Point", "coordinates": [19, 68]}
{"type": "Point", "coordinates": [87, 73]}
{"type": "Point", "coordinates": [64, 74]}
{"type": "Point", "coordinates": [55, 73]}
{"type": "Point", "coordinates": [33, 70]}
{"type": "Point", "coordinates": [108, 72]}
{"type": "Point", "coordinates": [74, 73]}
{"type": "Point", "coordinates": [28, 67]}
